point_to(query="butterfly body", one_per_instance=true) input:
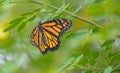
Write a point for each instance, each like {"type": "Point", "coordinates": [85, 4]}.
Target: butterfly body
{"type": "Point", "coordinates": [46, 36]}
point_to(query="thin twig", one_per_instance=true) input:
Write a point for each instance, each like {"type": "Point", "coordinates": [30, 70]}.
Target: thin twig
{"type": "Point", "coordinates": [115, 69]}
{"type": "Point", "coordinates": [115, 53]}
{"type": "Point", "coordinates": [78, 17]}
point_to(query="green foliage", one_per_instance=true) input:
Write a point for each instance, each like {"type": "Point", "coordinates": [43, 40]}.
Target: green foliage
{"type": "Point", "coordinates": [95, 9]}
{"type": "Point", "coordinates": [21, 26]}
{"type": "Point", "coordinates": [14, 23]}
{"type": "Point", "coordinates": [70, 63]}
{"type": "Point", "coordinates": [82, 32]}
{"type": "Point", "coordinates": [95, 30]}
{"type": "Point", "coordinates": [96, 54]}
{"type": "Point", "coordinates": [31, 18]}
{"type": "Point", "coordinates": [108, 69]}
{"type": "Point", "coordinates": [60, 11]}
{"type": "Point", "coordinates": [92, 59]}
{"type": "Point", "coordinates": [89, 71]}
{"type": "Point", "coordinates": [108, 42]}
{"type": "Point", "coordinates": [92, 62]}
{"type": "Point", "coordinates": [86, 52]}
{"type": "Point", "coordinates": [78, 59]}
{"type": "Point", "coordinates": [21, 21]}
{"type": "Point", "coordinates": [99, 17]}
{"type": "Point", "coordinates": [66, 64]}
{"type": "Point", "coordinates": [84, 62]}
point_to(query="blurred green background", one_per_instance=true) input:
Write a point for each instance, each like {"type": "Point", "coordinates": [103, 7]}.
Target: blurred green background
{"type": "Point", "coordinates": [85, 47]}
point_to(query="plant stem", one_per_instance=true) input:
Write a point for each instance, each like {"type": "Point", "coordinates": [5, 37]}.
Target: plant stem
{"type": "Point", "coordinates": [115, 69]}
{"type": "Point", "coordinates": [76, 16]}
{"type": "Point", "coordinates": [115, 53]}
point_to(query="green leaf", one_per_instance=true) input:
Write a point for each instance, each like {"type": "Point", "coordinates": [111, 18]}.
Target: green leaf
{"type": "Point", "coordinates": [69, 34]}
{"type": "Point", "coordinates": [99, 17]}
{"type": "Point", "coordinates": [89, 1]}
{"type": "Point", "coordinates": [92, 62]}
{"type": "Point", "coordinates": [14, 23]}
{"type": "Point", "coordinates": [95, 9]}
{"type": "Point", "coordinates": [86, 52]}
{"type": "Point", "coordinates": [21, 26]}
{"type": "Point", "coordinates": [84, 62]}
{"type": "Point", "coordinates": [78, 59]}
{"type": "Point", "coordinates": [78, 37]}
{"type": "Point", "coordinates": [108, 42]}
{"type": "Point", "coordinates": [31, 18]}
{"type": "Point", "coordinates": [26, 14]}
{"type": "Point", "coordinates": [108, 69]}
{"type": "Point", "coordinates": [36, 10]}
{"type": "Point", "coordinates": [95, 30]}
{"type": "Point", "coordinates": [8, 28]}
{"type": "Point", "coordinates": [46, 18]}
{"type": "Point", "coordinates": [89, 71]}
{"type": "Point", "coordinates": [70, 67]}
{"type": "Point", "coordinates": [108, 50]}
{"type": "Point", "coordinates": [77, 9]}
{"type": "Point", "coordinates": [112, 6]}
{"type": "Point", "coordinates": [95, 55]}
{"type": "Point", "coordinates": [115, 57]}
{"type": "Point", "coordinates": [43, 10]}
{"type": "Point", "coordinates": [60, 10]}
{"type": "Point", "coordinates": [79, 32]}
{"type": "Point", "coordinates": [66, 63]}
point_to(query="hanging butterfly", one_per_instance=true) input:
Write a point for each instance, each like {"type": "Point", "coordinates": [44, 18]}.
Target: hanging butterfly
{"type": "Point", "coordinates": [46, 36]}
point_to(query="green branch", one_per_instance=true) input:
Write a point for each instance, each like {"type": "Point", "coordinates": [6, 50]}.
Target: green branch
{"type": "Point", "coordinates": [53, 7]}
{"type": "Point", "coordinates": [80, 18]}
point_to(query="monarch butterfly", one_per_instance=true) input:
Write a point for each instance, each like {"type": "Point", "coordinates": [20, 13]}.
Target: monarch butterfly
{"type": "Point", "coordinates": [46, 36]}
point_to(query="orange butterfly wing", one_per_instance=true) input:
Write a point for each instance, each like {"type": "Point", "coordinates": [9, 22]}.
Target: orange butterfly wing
{"type": "Point", "coordinates": [47, 35]}
{"type": "Point", "coordinates": [35, 37]}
